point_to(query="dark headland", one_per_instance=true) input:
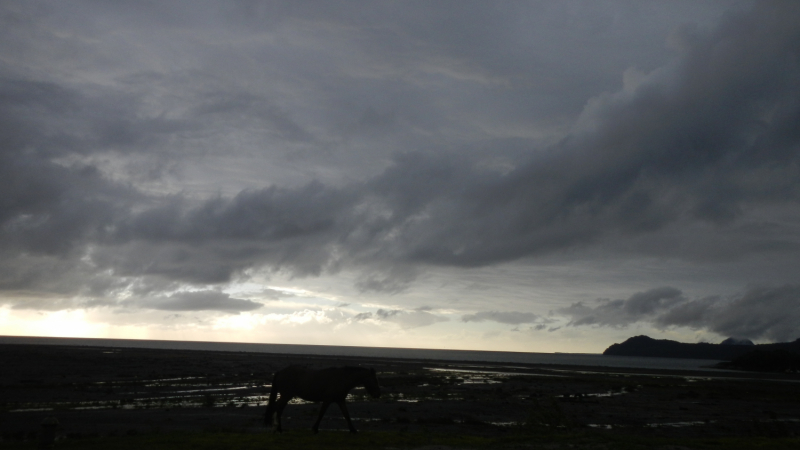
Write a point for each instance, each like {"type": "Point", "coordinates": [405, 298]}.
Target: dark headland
{"type": "Point", "coordinates": [739, 354]}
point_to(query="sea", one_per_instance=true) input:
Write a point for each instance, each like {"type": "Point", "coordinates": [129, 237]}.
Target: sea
{"type": "Point", "coordinates": [475, 356]}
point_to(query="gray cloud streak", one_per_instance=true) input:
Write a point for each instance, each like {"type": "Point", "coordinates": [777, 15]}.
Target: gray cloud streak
{"type": "Point", "coordinates": [507, 317]}
{"type": "Point", "coordinates": [405, 319]}
{"type": "Point", "coordinates": [639, 306]}
{"type": "Point", "coordinates": [208, 300]}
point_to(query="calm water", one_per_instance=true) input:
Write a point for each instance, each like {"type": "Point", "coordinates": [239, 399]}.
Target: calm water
{"type": "Point", "coordinates": [574, 359]}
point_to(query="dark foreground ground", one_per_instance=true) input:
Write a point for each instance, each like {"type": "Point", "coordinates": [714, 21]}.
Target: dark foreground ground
{"type": "Point", "coordinates": [106, 397]}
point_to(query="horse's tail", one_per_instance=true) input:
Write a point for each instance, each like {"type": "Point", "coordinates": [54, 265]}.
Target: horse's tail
{"type": "Point", "coordinates": [273, 395]}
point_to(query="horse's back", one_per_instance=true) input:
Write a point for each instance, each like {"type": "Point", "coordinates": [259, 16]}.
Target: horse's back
{"type": "Point", "coordinates": [331, 384]}
{"type": "Point", "coordinates": [291, 373]}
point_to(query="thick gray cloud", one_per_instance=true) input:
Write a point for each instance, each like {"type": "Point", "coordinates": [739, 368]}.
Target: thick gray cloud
{"type": "Point", "coordinates": [147, 146]}
{"type": "Point", "coordinates": [770, 313]}
{"type": "Point", "coordinates": [701, 139]}
{"type": "Point", "coordinates": [618, 313]}
{"type": "Point", "coordinates": [761, 312]}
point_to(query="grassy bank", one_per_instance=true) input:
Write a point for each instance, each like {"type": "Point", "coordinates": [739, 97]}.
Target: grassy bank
{"type": "Point", "coordinates": [389, 440]}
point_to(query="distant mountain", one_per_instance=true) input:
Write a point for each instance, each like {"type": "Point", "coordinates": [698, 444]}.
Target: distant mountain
{"type": "Point", "coordinates": [736, 341]}
{"type": "Point", "coordinates": [727, 350]}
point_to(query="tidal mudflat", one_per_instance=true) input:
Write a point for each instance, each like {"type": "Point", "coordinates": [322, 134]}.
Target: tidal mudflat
{"type": "Point", "coordinates": [99, 392]}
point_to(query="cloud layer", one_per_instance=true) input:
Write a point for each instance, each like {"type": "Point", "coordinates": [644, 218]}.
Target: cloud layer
{"type": "Point", "coordinates": [309, 140]}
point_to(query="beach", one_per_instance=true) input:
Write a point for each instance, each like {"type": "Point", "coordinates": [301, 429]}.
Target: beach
{"type": "Point", "coordinates": [102, 392]}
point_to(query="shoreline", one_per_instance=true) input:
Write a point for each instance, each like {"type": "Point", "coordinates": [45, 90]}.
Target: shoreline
{"type": "Point", "coordinates": [476, 356]}
{"type": "Point", "coordinates": [708, 372]}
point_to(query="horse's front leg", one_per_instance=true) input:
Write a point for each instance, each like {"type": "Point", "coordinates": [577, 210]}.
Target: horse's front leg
{"type": "Point", "coordinates": [322, 410]}
{"type": "Point", "coordinates": [346, 414]}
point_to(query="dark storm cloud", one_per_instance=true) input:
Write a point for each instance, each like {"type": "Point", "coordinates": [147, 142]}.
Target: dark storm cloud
{"type": "Point", "coordinates": [770, 313]}
{"type": "Point", "coordinates": [705, 139]}
{"type": "Point", "coordinates": [701, 139]}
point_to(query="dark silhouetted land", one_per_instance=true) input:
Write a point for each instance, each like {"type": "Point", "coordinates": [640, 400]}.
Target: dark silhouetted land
{"type": "Point", "coordinates": [726, 351]}
{"type": "Point", "coordinates": [126, 396]}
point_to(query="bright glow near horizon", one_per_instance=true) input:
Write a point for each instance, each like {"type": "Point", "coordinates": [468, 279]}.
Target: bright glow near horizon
{"type": "Point", "coordinates": [304, 327]}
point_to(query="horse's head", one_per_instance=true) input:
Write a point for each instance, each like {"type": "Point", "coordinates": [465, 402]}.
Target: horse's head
{"type": "Point", "coordinates": [371, 384]}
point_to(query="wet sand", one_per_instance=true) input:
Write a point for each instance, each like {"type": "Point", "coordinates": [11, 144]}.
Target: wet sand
{"type": "Point", "coordinates": [101, 391]}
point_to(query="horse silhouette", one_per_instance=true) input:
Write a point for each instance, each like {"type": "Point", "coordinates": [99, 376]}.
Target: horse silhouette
{"type": "Point", "coordinates": [326, 385]}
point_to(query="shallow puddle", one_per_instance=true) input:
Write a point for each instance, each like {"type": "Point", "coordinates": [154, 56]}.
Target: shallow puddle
{"type": "Point", "coordinates": [677, 424]}
{"type": "Point", "coordinates": [504, 424]}
{"type": "Point", "coordinates": [692, 423]}
{"type": "Point", "coordinates": [605, 394]}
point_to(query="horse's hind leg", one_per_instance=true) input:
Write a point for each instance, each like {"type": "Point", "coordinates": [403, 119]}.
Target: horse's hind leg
{"type": "Point", "coordinates": [269, 414]}
{"type": "Point", "coordinates": [322, 410]}
{"type": "Point", "coordinates": [346, 414]}
{"type": "Point", "coordinates": [279, 411]}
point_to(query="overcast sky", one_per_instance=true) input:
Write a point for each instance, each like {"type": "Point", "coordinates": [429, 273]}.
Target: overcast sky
{"type": "Point", "coordinates": [522, 175]}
